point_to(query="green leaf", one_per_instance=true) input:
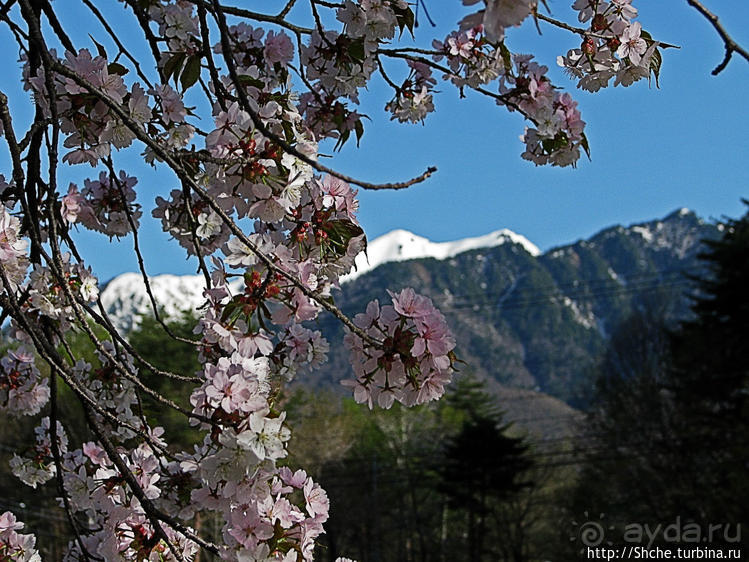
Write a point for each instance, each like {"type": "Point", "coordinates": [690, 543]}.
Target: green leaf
{"type": "Point", "coordinates": [655, 66]}
{"type": "Point", "coordinates": [359, 128]}
{"type": "Point", "coordinates": [117, 68]}
{"type": "Point", "coordinates": [191, 72]}
{"type": "Point", "coordinates": [342, 140]}
{"type": "Point", "coordinates": [405, 18]}
{"type": "Point", "coordinates": [229, 309]}
{"type": "Point", "coordinates": [356, 50]}
{"type": "Point", "coordinates": [173, 66]}
{"type": "Point", "coordinates": [506, 56]}
{"type": "Point", "coordinates": [585, 145]}
{"type": "Point", "coordinates": [246, 80]}
{"type": "Point", "coordinates": [340, 233]}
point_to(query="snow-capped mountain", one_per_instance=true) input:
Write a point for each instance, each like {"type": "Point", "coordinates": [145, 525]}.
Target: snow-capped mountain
{"type": "Point", "coordinates": [401, 245]}
{"type": "Point", "coordinates": [125, 297]}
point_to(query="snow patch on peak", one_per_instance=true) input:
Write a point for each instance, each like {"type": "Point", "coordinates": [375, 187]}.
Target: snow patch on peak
{"type": "Point", "coordinates": [401, 245]}
{"type": "Point", "coordinates": [643, 231]}
{"type": "Point", "coordinates": [125, 298]}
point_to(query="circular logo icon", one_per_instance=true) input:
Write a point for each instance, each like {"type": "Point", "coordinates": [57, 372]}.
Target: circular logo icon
{"type": "Point", "coordinates": [590, 532]}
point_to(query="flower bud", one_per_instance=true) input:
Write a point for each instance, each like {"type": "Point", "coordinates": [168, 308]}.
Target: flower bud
{"type": "Point", "coordinates": [589, 46]}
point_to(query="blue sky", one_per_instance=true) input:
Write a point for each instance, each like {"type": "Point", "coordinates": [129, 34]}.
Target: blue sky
{"type": "Point", "coordinates": [653, 150]}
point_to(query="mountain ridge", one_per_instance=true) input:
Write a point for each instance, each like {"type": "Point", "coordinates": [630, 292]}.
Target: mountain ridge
{"type": "Point", "coordinates": [526, 320]}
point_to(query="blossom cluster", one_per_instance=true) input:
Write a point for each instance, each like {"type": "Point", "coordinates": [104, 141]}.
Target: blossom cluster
{"type": "Point", "coordinates": [497, 16]}
{"type": "Point", "coordinates": [23, 391]}
{"type": "Point", "coordinates": [54, 298]}
{"type": "Point", "coordinates": [178, 24]}
{"type": "Point", "coordinates": [13, 545]}
{"type": "Point", "coordinates": [413, 99]}
{"type": "Point", "coordinates": [105, 205]}
{"type": "Point", "coordinates": [474, 61]}
{"type": "Point", "coordinates": [36, 465]}
{"type": "Point", "coordinates": [92, 128]}
{"type": "Point", "coordinates": [412, 360]}
{"type": "Point", "coordinates": [558, 133]}
{"type": "Point", "coordinates": [616, 47]}
{"type": "Point", "coordinates": [13, 248]}
{"type": "Point", "coordinates": [267, 285]}
{"type": "Point", "coordinates": [118, 527]}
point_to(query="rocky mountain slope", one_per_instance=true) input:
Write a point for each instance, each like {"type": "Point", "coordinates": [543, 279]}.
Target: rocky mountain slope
{"type": "Point", "coordinates": [538, 322]}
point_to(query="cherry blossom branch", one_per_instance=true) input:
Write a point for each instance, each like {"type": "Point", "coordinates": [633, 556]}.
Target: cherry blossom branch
{"type": "Point", "coordinates": [56, 262]}
{"type": "Point", "coordinates": [194, 234]}
{"type": "Point", "coordinates": [103, 320]}
{"type": "Point", "coordinates": [563, 25]}
{"type": "Point", "coordinates": [506, 100]}
{"type": "Point", "coordinates": [226, 49]}
{"type": "Point", "coordinates": [405, 50]}
{"type": "Point", "coordinates": [145, 24]}
{"type": "Point", "coordinates": [151, 510]}
{"type": "Point", "coordinates": [42, 344]}
{"type": "Point", "coordinates": [328, 4]}
{"type": "Point", "coordinates": [286, 9]}
{"type": "Point", "coordinates": [582, 32]}
{"type": "Point", "coordinates": [17, 31]}
{"type": "Point", "coordinates": [78, 307]}
{"type": "Point", "coordinates": [178, 169]}
{"type": "Point", "coordinates": [124, 371]}
{"type": "Point", "coordinates": [57, 27]}
{"type": "Point", "coordinates": [13, 147]}
{"type": "Point", "coordinates": [730, 45]}
{"type": "Point", "coordinates": [6, 7]}
{"type": "Point", "coordinates": [35, 126]}
{"type": "Point", "coordinates": [218, 86]}
{"type": "Point", "coordinates": [384, 75]}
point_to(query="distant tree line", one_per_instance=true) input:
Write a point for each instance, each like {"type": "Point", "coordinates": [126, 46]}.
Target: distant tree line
{"type": "Point", "coordinates": [668, 430]}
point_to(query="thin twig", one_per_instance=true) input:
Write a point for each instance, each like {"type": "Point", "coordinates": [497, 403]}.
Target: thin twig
{"type": "Point", "coordinates": [730, 45]}
{"type": "Point", "coordinates": [290, 4]}
{"type": "Point", "coordinates": [241, 12]}
{"type": "Point", "coordinates": [139, 256]}
{"type": "Point", "coordinates": [218, 86]}
{"type": "Point", "coordinates": [57, 27]}
{"type": "Point", "coordinates": [117, 41]}
{"type": "Point", "coordinates": [586, 32]}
